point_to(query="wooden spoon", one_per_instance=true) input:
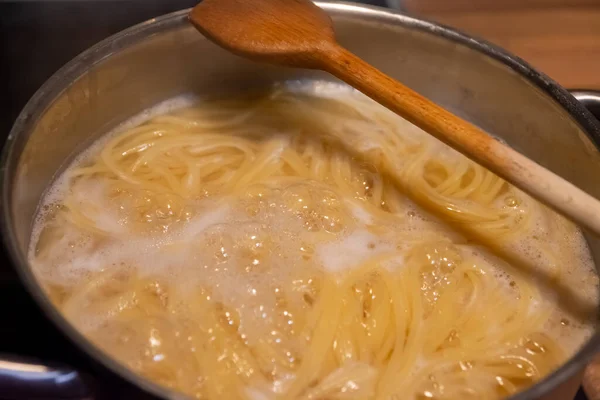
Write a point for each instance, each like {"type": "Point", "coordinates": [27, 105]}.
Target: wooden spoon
{"type": "Point", "coordinates": [297, 33]}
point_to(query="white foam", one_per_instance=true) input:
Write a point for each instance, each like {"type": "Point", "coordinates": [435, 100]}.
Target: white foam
{"type": "Point", "coordinates": [351, 251]}
{"type": "Point", "coordinates": [361, 214]}
{"type": "Point", "coordinates": [215, 216]}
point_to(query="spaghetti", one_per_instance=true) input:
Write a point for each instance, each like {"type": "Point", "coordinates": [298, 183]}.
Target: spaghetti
{"type": "Point", "coordinates": [301, 245]}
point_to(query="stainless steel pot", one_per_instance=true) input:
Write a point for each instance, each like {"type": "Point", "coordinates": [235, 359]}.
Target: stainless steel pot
{"type": "Point", "coordinates": [165, 57]}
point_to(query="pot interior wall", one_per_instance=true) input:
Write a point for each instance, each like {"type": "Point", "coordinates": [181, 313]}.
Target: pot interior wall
{"type": "Point", "coordinates": [150, 64]}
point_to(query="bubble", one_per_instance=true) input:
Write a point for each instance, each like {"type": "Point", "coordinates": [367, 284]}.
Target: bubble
{"type": "Point", "coordinates": [298, 199]}
{"type": "Point", "coordinates": [511, 201]}
{"type": "Point", "coordinates": [332, 222]}
{"type": "Point", "coordinates": [307, 251]}
{"type": "Point", "coordinates": [328, 198]}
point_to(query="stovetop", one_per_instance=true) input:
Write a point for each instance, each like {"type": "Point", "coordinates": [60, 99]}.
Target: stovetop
{"type": "Point", "coordinates": [36, 39]}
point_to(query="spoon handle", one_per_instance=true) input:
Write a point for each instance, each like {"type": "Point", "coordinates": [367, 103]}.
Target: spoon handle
{"type": "Point", "coordinates": [507, 163]}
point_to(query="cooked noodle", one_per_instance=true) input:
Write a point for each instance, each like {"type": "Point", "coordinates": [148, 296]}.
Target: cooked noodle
{"type": "Point", "coordinates": [270, 248]}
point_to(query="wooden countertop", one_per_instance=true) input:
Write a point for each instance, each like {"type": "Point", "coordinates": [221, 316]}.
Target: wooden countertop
{"type": "Point", "coordinates": [558, 37]}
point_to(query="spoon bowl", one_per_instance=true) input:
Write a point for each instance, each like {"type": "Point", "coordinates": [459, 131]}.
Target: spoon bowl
{"type": "Point", "coordinates": [292, 33]}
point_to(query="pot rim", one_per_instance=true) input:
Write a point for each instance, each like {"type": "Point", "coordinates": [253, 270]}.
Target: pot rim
{"type": "Point", "coordinates": [71, 71]}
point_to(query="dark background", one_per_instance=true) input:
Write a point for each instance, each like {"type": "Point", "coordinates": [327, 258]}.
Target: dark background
{"type": "Point", "coordinates": [36, 39]}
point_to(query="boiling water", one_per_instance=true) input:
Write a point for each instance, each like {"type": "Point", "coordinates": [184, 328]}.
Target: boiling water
{"type": "Point", "coordinates": [145, 270]}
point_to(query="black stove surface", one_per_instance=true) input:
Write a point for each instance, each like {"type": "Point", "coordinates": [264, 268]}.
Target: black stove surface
{"type": "Point", "coordinates": [36, 39]}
